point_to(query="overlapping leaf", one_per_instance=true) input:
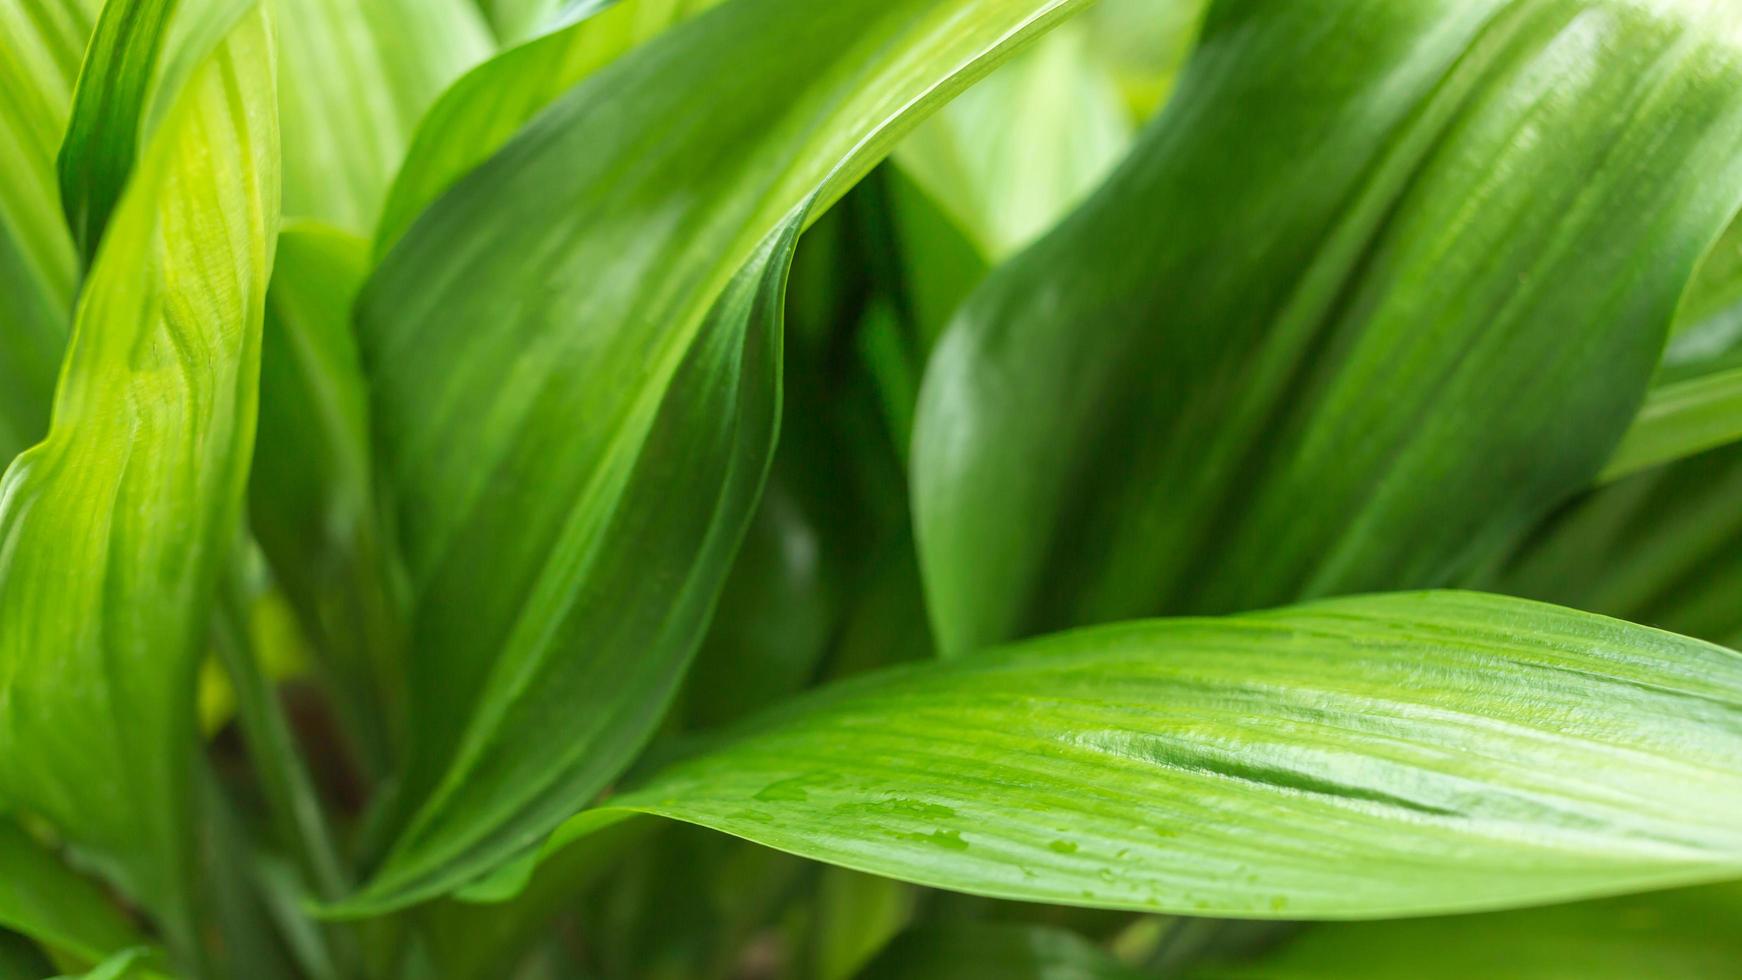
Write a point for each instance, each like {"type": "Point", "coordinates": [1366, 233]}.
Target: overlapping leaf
{"type": "Point", "coordinates": [112, 529]}
{"type": "Point", "coordinates": [483, 110]}
{"type": "Point", "coordinates": [994, 951]}
{"type": "Point", "coordinates": [43, 899]}
{"type": "Point", "coordinates": [357, 77]}
{"type": "Point", "coordinates": [41, 43]}
{"type": "Point", "coordinates": [1349, 317]}
{"type": "Point", "coordinates": [574, 365]}
{"type": "Point", "coordinates": [1375, 756]}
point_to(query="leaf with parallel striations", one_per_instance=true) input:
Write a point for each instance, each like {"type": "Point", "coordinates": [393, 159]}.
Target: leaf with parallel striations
{"type": "Point", "coordinates": [357, 77]}
{"type": "Point", "coordinates": [484, 109]}
{"type": "Point", "coordinates": [1390, 755]}
{"type": "Point", "coordinates": [1346, 320]}
{"type": "Point", "coordinates": [112, 530]}
{"type": "Point", "coordinates": [574, 454]}
{"type": "Point", "coordinates": [41, 43]}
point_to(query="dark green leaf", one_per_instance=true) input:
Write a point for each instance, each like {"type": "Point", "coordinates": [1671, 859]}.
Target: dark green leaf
{"type": "Point", "coordinates": [994, 951]}
{"type": "Point", "coordinates": [44, 900]}
{"type": "Point", "coordinates": [1347, 320]}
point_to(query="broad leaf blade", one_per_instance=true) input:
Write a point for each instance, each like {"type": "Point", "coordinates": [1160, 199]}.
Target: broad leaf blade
{"type": "Point", "coordinates": [575, 455]}
{"type": "Point", "coordinates": [1681, 418]}
{"type": "Point", "coordinates": [1333, 337]}
{"type": "Point", "coordinates": [1377, 756]}
{"type": "Point", "coordinates": [113, 528]}
{"type": "Point", "coordinates": [41, 43]}
{"type": "Point", "coordinates": [484, 109]}
{"type": "Point", "coordinates": [44, 900]}
{"type": "Point", "coordinates": [357, 78]}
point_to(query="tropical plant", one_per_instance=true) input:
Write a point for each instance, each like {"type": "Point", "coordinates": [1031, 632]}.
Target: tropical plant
{"type": "Point", "coordinates": [666, 488]}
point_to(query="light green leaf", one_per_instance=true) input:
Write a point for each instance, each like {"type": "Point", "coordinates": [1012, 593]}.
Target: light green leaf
{"type": "Point", "coordinates": [357, 77]}
{"type": "Point", "coordinates": [994, 951]}
{"type": "Point", "coordinates": [1144, 43]}
{"type": "Point", "coordinates": [1680, 419]}
{"type": "Point", "coordinates": [1018, 150]}
{"type": "Point", "coordinates": [1314, 338]}
{"type": "Point", "coordinates": [111, 531]}
{"type": "Point", "coordinates": [41, 42]}
{"type": "Point", "coordinates": [1694, 934]}
{"type": "Point", "coordinates": [1390, 755]}
{"type": "Point", "coordinates": [574, 456]}
{"type": "Point", "coordinates": [43, 899]}
{"type": "Point", "coordinates": [483, 110]}
{"type": "Point", "coordinates": [117, 967]}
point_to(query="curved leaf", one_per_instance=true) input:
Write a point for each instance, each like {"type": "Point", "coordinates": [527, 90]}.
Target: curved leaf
{"type": "Point", "coordinates": [483, 110]}
{"type": "Point", "coordinates": [41, 42]}
{"type": "Point", "coordinates": [1330, 337]}
{"type": "Point", "coordinates": [357, 77]}
{"type": "Point", "coordinates": [1692, 934]}
{"type": "Point", "coordinates": [43, 899]}
{"type": "Point", "coordinates": [1662, 547]}
{"type": "Point", "coordinates": [1680, 419]}
{"type": "Point", "coordinates": [1388, 755]}
{"type": "Point", "coordinates": [574, 455]}
{"type": "Point", "coordinates": [111, 531]}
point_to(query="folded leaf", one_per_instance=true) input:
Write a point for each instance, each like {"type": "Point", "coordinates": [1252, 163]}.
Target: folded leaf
{"type": "Point", "coordinates": [357, 77]}
{"type": "Point", "coordinates": [574, 456]}
{"type": "Point", "coordinates": [1692, 934]}
{"type": "Point", "coordinates": [1389, 755]}
{"type": "Point", "coordinates": [44, 900]}
{"type": "Point", "coordinates": [142, 53]}
{"type": "Point", "coordinates": [41, 42]}
{"type": "Point", "coordinates": [481, 111]}
{"type": "Point", "coordinates": [1331, 336]}
{"type": "Point", "coordinates": [111, 530]}
{"type": "Point", "coordinates": [994, 951]}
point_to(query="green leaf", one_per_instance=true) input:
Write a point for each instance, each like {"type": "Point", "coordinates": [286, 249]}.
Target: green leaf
{"type": "Point", "coordinates": [357, 77]}
{"type": "Point", "coordinates": [574, 456]}
{"type": "Point", "coordinates": [117, 967]}
{"type": "Point", "coordinates": [1314, 338]}
{"type": "Point", "coordinates": [43, 899]}
{"type": "Point", "coordinates": [1390, 755]}
{"type": "Point", "coordinates": [1692, 934]}
{"type": "Point", "coordinates": [994, 951]}
{"type": "Point", "coordinates": [20, 959]}
{"type": "Point", "coordinates": [1144, 43]}
{"type": "Point", "coordinates": [41, 42]}
{"type": "Point", "coordinates": [114, 527]}
{"type": "Point", "coordinates": [142, 53]}
{"type": "Point", "coordinates": [1017, 151]}
{"type": "Point", "coordinates": [311, 489]}
{"type": "Point", "coordinates": [1680, 419]}
{"type": "Point", "coordinates": [484, 109]}
{"type": "Point", "coordinates": [1663, 547]}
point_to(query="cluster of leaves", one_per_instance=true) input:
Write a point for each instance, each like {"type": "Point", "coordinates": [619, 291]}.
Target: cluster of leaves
{"type": "Point", "coordinates": [448, 437]}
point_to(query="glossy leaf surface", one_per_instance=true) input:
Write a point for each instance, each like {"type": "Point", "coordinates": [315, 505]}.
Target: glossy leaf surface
{"type": "Point", "coordinates": [41, 44]}
{"type": "Point", "coordinates": [1373, 756]}
{"type": "Point", "coordinates": [595, 444]}
{"type": "Point", "coordinates": [357, 77]}
{"type": "Point", "coordinates": [112, 529]}
{"type": "Point", "coordinates": [1315, 337]}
